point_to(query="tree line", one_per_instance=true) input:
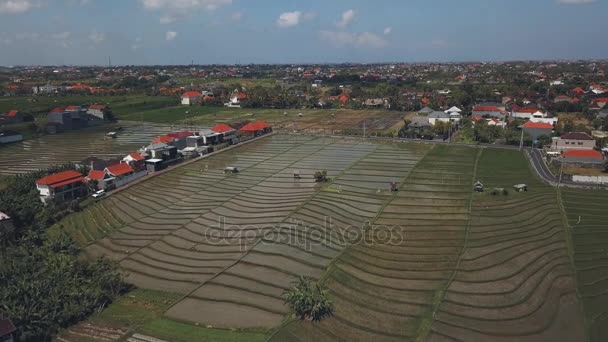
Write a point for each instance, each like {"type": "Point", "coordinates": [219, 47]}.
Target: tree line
{"type": "Point", "coordinates": [46, 284]}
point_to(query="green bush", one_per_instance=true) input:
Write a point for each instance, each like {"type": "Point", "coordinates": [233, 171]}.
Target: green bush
{"type": "Point", "coordinates": [308, 300]}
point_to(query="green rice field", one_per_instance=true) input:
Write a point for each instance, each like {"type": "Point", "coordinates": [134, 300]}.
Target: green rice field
{"type": "Point", "coordinates": [434, 261]}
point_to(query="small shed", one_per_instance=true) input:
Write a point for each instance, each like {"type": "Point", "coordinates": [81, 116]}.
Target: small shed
{"type": "Point", "coordinates": [520, 187]}
{"type": "Point", "coordinates": [478, 187]}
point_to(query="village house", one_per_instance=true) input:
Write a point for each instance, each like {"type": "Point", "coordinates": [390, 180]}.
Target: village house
{"type": "Point", "coordinates": [61, 187]}
{"type": "Point", "coordinates": [374, 103]}
{"type": "Point", "coordinates": [583, 158]}
{"type": "Point", "coordinates": [7, 137]}
{"type": "Point", "coordinates": [98, 111]}
{"type": "Point", "coordinates": [489, 121]}
{"type": "Point", "coordinates": [136, 161]}
{"type": "Point", "coordinates": [236, 98]}
{"type": "Point", "coordinates": [426, 111]}
{"type": "Point", "coordinates": [437, 116]}
{"type": "Point", "coordinates": [228, 134]}
{"type": "Point", "coordinates": [254, 129]}
{"type": "Point", "coordinates": [490, 111]}
{"type": "Point", "coordinates": [14, 116]}
{"type": "Point", "coordinates": [7, 330]}
{"type": "Point", "coordinates": [573, 141]}
{"type": "Point", "coordinates": [159, 151]}
{"type": "Point", "coordinates": [419, 122]}
{"type": "Point", "coordinates": [191, 98]}
{"type": "Point", "coordinates": [562, 98]}
{"type": "Point", "coordinates": [536, 129]}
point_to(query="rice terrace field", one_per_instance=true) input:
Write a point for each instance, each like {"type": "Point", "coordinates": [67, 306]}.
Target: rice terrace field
{"type": "Point", "coordinates": [432, 262]}
{"type": "Point", "coordinates": [75, 146]}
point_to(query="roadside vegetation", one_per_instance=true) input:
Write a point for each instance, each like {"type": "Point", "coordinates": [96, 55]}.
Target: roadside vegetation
{"type": "Point", "coordinates": [45, 284]}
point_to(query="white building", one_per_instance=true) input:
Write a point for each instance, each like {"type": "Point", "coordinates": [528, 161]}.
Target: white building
{"type": "Point", "coordinates": [191, 97]}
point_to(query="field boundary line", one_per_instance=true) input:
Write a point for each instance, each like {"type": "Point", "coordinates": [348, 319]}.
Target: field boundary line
{"type": "Point", "coordinates": [240, 258]}
{"type": "Point", "coordinates": [217, 206]}
{"type": "Point", "coordinates": [331, 266]}
{"type": "Point", "coordinates": [427, 323]}
{"type": "Point", "coordinates": [159, 173]}
{"type": "Point", "coordinates": [570, 248]}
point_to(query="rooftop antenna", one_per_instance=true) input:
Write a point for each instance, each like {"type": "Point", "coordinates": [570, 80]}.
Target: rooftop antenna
{"type": "Point", "coordinates": [109, 61]}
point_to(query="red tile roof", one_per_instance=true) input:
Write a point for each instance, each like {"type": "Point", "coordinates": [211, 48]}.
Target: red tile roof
{"type": "Point", "coordinates": [526, 110]}
{"type": "Point", "coordinates": [537, 125]}
{"type": "Point", "coordinates": [563, 97]}
{"type": "Point", "coordinates": [58, 110]}
{"type": "Point", "coordinates": [137, 156]}
{"type": "Point", "coordinates": [119, 169]}
{"type": "Point", "coordinates": [486, 109]}
{"type": "Point", "coordinates": [179, 135]}
{"type": "Point", "coordinates": [476, 118]}
{"type": "Point", "coordinates": [61, 178]}
{"type": "Point", "coordinates": [12, 113]}
{"type": "Point", "coordinates": [578, 90]}
{"type": "Point", "coordinates": [250, 127]}
{"type": "Point", "coordinates": [222, 128]}
{"type": "Point", "coordinates": [72, 107]}
{"type": "Point", "coordinates": [582, 154]}
{"type": "Point", "coordinates": [577, 136]}
{"type": "Point", "coordinates": [96, 175]}
{"type": "Point", "coordinates": [163, 139]}
{"type": "Point", "coordinates": [97, 106]}
{"type": "Point", "coordinates": [192, 94]}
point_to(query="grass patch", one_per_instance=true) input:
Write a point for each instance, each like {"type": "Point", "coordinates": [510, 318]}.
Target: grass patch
{"type": "Point", "coordinates": [136, 308]}
{"type": "Point", "coordinates": [180, 332]}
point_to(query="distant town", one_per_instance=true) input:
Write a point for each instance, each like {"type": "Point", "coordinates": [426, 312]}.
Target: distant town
{"type": "Point", "coordinates": [329, 202]}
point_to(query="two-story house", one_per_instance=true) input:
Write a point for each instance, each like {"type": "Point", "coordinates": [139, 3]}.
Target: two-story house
{"type": "Point", "coordinates": [61, 187]}
{"type": "Point", "coordinates": [573, 141]}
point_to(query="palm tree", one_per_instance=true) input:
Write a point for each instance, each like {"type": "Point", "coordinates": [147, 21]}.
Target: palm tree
{"type": "Point", "coordinates": [308, 300]}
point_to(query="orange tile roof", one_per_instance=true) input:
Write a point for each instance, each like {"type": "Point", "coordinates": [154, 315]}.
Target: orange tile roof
{"type": "Point", "coordinates": [192, 94]}
{"type": "Point", "coordinates": [12, 113]}
{"type": "Point", "coordinates": [486, 109]}
{"type": "Point", "coordinates": [96, 174]}
{"type": "Point", "coordinates": [163, 139]}
{"type": "Point", "coordinates": [538, 125]}
{"type": "Point", "coordinates": [137, 156]}
{"type": "Point", "coordinates": [222, 128]}
{"type": "Point", "coordinates": [60, 177]}
{"type": "Point", "coordinates": [583, 154]}
{"type": "Point", "coordinates": [119, 169]}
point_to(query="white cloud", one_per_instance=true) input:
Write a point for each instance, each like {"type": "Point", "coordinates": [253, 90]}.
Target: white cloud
{"type": "Point", "coordinates": [388, 31]}
{"type": "Point", "coordinates": [97, 37]}
{"type": "Point", "coordinates": [237, 16]}
{"type": "Point", "coordinates": [167, 19]}
{"type": "Point", "coordinates": [170, 35]}
{"type": "Point", "coordinates": [16, 6]}
{"type": "Point", "coordinates": [360, 40]}
{"type": "Point", "coordinates": [61, 35]}
{"type": "Point", "coordinates": [347, 19]}
{"type": "Point", "coordinates": [289, 19]}
{"type": "Point", "coordinates": [27, 36]}
{"type": "Point", "coordinates": [575, 2]}
{"type": "Point", "coordinates": [184, 5]}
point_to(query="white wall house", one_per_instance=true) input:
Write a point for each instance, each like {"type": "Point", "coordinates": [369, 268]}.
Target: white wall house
{"type": "Point", "coordinates": [191, 97]}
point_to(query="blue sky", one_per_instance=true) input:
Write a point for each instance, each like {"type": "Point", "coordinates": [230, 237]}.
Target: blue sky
{"type": "Point", "coordinates": [86, 32]}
